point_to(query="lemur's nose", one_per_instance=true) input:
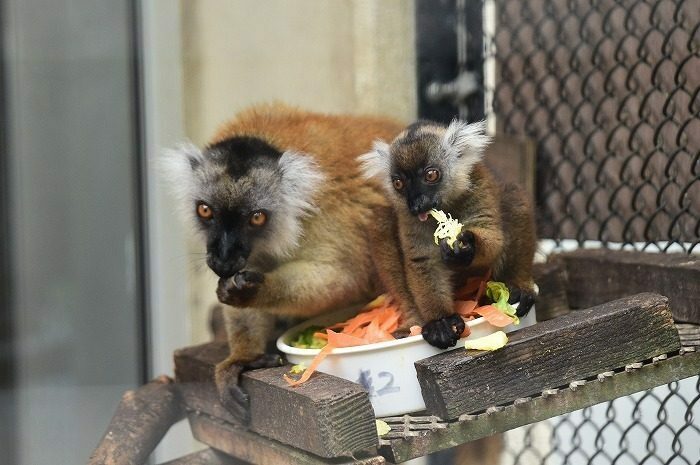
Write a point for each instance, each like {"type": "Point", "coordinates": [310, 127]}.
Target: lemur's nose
{"type": "Point", "coordinates": [418, 204]}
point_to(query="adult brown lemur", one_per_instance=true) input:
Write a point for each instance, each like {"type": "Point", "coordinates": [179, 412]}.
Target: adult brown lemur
{"type": "Point", "coordinates": [432, 166]}
{"type": "Point", "coordinates": [280, 201]}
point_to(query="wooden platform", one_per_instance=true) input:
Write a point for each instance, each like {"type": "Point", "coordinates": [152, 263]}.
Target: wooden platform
{"type": "Point", "coordinates": [577, 359]}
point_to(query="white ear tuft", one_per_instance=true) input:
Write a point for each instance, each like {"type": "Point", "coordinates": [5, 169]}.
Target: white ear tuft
{"type": "Point", "coordinates": [301, 178]}
{"type": "Point", "coordinates": [466, 140]}
{"type": "Point", "coordinates": [377, 162]}
{"type": "Point", "coordinates": [176, 166]}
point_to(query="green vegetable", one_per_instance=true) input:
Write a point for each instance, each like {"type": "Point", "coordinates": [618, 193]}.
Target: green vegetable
{"type": "Point", "coordinates": [297, 369]}
{"type": "Point", "coordinates": [382, 427]}
{"type": "Point", "coordinates": [307, 340]}
{"type": "Point", "coordinates": [499, 294]}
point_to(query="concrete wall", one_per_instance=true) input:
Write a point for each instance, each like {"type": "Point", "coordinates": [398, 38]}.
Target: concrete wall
{"type": "Point", "coordinates": [331, 56]}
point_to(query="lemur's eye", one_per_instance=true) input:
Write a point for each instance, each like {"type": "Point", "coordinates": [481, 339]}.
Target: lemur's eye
{"type": "Point", "coordinates": [204, 211]}
{"type": "Point", "coordinates": [258, 218]}
{"type": "Point", "coordinates": [432, 175]}
{"type": "Point", "coordinates": [398, 184]}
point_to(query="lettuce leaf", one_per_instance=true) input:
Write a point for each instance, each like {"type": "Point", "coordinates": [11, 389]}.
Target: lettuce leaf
{"type": "Point", "coordinates": [498, 292]}
{"type": "Point", "coordinates": [307, 340]}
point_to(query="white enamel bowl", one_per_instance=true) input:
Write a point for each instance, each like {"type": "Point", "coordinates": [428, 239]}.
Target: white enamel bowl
{"type": "Point", "coordinates": [385, 369]}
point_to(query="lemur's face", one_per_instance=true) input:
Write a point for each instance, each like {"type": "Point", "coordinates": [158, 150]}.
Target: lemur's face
{"type": "Point", "coordinates": [427, 165]}
{"type": "Point", "coordinates": [246, 197]}
{"type": "Point", "coordinates": [418, 174]}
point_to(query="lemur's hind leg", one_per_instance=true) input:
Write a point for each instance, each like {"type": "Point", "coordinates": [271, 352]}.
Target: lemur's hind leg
{"type": "Point", "coordinates": [515, 267]}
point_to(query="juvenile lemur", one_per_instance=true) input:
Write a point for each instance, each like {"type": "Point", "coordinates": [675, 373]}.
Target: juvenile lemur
{"type": "Point", "coordinates": [432, 166]}
{"type": "Point", "coordinates": [283, 208]}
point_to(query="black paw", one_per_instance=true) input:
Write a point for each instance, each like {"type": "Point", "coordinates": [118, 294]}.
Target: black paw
{"type": "Point", "coordinates": [239, 289]}
{"type": "Point", "coordinates": [462, 250]}
{"type": "Point", "coordinates": [526, 299]}
{"type": "Point", "coordinates": [227, 379]}
{"type": "Point", "coordinates": [443, 332]}
{"type": "Point", "coordinates": [265, 361]}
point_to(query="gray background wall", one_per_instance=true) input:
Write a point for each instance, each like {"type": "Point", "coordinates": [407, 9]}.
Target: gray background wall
{"type": "Point", "coordinates": [73, 218]}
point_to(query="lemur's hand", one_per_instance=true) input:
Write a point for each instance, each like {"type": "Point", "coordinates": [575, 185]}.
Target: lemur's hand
{"type": "Point", "coordinates": [227, 377]}
{"type": "Point", "coordinates": [525, 297]}
{"type": "Point", "coordinates": [239, 289]}
{"type": "Point", "coordinates": [443, 332]}
{"type": "Point", "coordinates": [462, 251]}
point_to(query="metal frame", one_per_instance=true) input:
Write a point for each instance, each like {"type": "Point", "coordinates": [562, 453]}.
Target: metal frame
{"type": "Point", "coordinates": [7, 369]}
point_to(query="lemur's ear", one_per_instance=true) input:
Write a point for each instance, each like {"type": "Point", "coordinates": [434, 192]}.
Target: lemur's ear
{"type": "Point", "coordinates": [462, 140]}
{"type": "Point", "coordinates": [301, 179]}
{"type": "Point", "coordinates": [377, 162]}
{"type": "Point", "coordinates": [177, 164]}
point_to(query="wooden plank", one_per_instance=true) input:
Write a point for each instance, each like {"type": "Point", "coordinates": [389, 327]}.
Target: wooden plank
{"type": "Point", "coordinates": [327, 416]}
{"type": "Point", "coordinates": [258, 450]}
{"type": "Point", "coordinates": [142, 418]}
{"type": "Point", "coordinates": [548, 354]}
{"type": "Point", "coordinates": [599, 275]}
{"type": "Point", "coordinates": [398, 447]}
{"type": "Point", "coordinates": [206, 457]}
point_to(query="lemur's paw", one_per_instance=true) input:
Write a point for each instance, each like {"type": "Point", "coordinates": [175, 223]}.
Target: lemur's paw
{"type": "Point", "coordinates": [462, 251]}
{"type": "Point", "coordinates": [227, 378]}
{"type": "Point", "coordinates": [443, 332]}
{"type": "Point", "coordinates": [265, 361]}
{"type": "Point", "coordinates": [525, 297]}
{"type": "Point", "coordinates": [231, 396]}
{"type": "Point", "coordinates": [239, 289]}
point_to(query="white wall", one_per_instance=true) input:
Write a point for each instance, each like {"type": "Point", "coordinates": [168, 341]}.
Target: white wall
{"type": "Point", "coordinates": [330, 56]}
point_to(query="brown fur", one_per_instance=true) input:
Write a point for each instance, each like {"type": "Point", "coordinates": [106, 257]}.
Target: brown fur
{"type": "Point", "coordinates": [500, 217]}
{"type": "Point", "coordinates": [333, 265]}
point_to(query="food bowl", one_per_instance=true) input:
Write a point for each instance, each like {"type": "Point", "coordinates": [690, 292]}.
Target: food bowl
{"type": "Point", "coordinates": [385, 369]}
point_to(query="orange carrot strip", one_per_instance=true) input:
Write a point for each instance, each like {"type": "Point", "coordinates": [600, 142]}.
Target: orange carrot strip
{"type": "Point", "coordinates": [494, 316]}
{"type": "Point", "coordinates": [469, 289]}
{"type": "Point", "coordinates": [312, 367]}
{"type": "Point", "coordinates": [361, 319]}
{"type": "Point", "coordinates": [465, 307]}
{"type": "Point", "coordinates": [376, 334]}
{"type": "Point", "coordinates": [344, 340]}
{"type": "Point", "coordinates": [321, 335]}
{"type": "Point", "coordinates": [416, 330]}
{"type": "Point", "coordinates": [391, 322]}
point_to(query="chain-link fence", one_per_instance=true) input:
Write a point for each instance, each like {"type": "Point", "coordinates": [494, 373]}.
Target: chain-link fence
{"type": "Point", "coordinates": [609, 91]}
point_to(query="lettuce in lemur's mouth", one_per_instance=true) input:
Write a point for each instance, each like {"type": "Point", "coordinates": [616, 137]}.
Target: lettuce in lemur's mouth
{"type": "Point", "coordinates": [447, 228]}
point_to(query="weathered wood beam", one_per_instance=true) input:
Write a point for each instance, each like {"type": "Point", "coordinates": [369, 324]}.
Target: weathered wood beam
{"type": "Point", "coordinates": [548, 354]}
{"type": "Point", "coordinates": [206, 457]}
{"type": "Point", "coordinates": [140, 422]}
{"type": "Point", "coordinates": [398, 447]}
{"type": "Point", "coordinates": [258, 450]}
{"type": "Point", "coordinates": [327, 416]}
{"type": "Point", "coordinates": [600, 275]}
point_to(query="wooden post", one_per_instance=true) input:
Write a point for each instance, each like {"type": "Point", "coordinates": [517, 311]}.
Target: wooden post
{"type": "Point", "coordinates": [548, 355]}
{"type": "Point", "coordinates": [327, 416]}
{"type": "Point", "coordinates": [599, 275]}
{"type": "Point", "coordinates": [141, 420]}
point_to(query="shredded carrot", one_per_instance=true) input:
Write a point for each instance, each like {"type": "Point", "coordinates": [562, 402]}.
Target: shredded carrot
{"type": "Point", "coordinates": [344, 340]}
{"type": "Point", "coordinates": [494, 316]}
{"type": "Point", "coordinates": [379, 319]}
{"type": "Point", "coordinates": [327, 349]}
{"type": "Point", "coordinates": [465, 308]}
